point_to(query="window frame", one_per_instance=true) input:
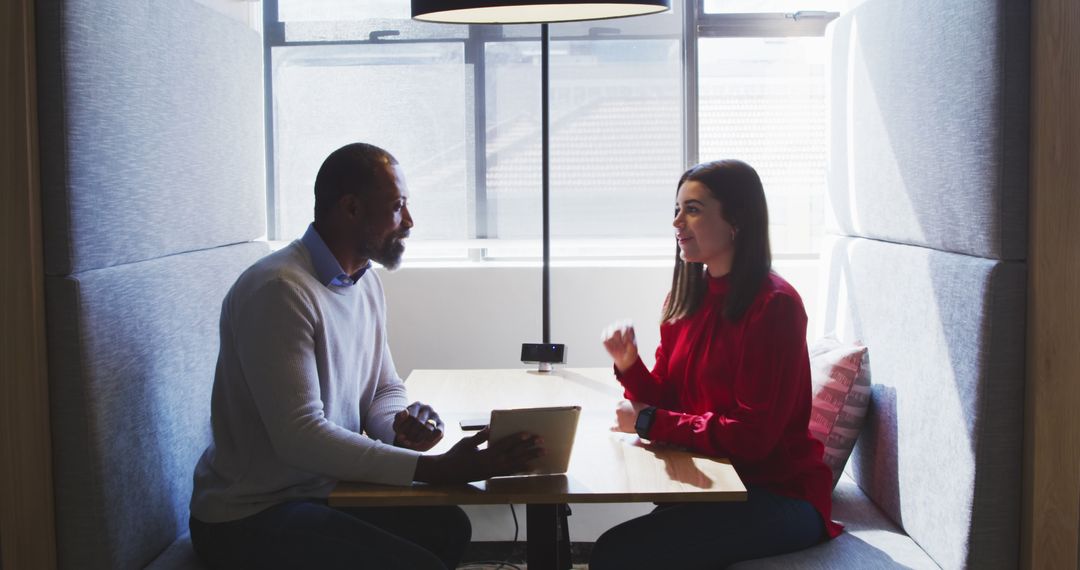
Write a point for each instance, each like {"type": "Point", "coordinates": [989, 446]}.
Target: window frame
{"type": "Point", "coordinates": [695, 25]}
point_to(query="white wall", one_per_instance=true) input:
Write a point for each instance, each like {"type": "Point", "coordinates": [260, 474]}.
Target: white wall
{"type": "Point", "coordinates": [477, 316]}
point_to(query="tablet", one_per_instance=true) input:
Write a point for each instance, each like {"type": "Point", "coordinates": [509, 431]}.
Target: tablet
{"type": "Point", "coordinates": [556, 426]}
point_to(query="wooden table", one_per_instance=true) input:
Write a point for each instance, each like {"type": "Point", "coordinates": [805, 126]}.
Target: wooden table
{"type": "Point", "coordinates": [605, 467]}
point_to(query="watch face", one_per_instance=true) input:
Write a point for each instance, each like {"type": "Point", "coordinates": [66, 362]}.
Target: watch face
{"type": "Point", "coordinates": [644, 422]}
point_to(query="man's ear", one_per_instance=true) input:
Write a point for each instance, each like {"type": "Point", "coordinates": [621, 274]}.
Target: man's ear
{"type": "Point", "coordinates": [350, 205]}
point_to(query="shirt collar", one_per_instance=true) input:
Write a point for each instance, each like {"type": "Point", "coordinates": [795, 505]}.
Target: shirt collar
{"type": "Point", "coordinates": [327, 269]}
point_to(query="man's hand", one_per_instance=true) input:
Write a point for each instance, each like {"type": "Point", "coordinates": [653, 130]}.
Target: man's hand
{"type": "Point", "coordinates": [626, 414]}
{"type": "Point", "coordinates": [417, 427]}
{"type": "Point", "coordinates": [621, 344]}
{"type": "Point", "coordinates": [466, 462]}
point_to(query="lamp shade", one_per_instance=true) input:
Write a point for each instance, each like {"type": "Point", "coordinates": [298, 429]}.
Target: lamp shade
{"type": "Point", "coordinates": [525, 12]}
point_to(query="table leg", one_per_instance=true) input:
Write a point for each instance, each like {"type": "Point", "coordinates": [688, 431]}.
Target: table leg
{"type": "Point", "coordinates": [564, 538]}
{"type": "Point", "coordinates": [546, 524]}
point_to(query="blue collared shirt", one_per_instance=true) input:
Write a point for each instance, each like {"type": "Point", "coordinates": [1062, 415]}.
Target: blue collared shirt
{"type": "Point", "coordinates": [327, 268]}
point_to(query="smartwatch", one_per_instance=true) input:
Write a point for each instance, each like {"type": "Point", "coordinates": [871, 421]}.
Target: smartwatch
{"type": "Point", "coordinates": [644, 422]}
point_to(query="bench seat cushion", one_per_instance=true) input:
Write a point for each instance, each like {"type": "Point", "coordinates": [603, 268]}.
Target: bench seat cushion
{"type": "Point", "coordinates": [870, 540]}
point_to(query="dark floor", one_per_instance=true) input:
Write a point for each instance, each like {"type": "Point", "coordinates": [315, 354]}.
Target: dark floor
{"type": "Point", "coordinates": [489, 555]}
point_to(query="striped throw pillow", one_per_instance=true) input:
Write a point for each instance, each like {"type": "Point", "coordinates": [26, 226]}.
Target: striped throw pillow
{"type": "Point", "coordinates": [841, 394]}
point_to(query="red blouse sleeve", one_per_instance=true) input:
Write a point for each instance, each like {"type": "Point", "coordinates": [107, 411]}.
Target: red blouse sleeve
{"type": "Point", "coordinates": [643, 386]}
{"type": "Point", "coordinates": [765, 389]}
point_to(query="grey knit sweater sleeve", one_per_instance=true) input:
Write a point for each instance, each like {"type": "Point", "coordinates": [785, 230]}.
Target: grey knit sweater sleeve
{"type": "Point", "coordinates": [390, 396]}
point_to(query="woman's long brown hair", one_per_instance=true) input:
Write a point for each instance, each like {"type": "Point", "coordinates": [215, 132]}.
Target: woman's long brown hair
{"type": "Point", "coordinates": [738, 188]}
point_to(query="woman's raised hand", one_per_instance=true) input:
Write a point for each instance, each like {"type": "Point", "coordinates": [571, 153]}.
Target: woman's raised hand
{"type": "Point", "coordinates": [621, 344]}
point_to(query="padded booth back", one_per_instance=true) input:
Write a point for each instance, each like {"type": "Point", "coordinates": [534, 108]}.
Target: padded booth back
{"type": "Point", "coordinates": [132, 350]}
{"type": "Point", "coordinates": [929, 120]}
{"type": "Point", "coordinates": [928, 199]}
{"type": "Point", "coordinates": [151, 131]}
{"type": "Point", "coordinates": [152, 189]}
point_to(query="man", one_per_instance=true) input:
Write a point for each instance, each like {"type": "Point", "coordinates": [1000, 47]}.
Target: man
{"type": "Point", "coordinates": [306, 394]}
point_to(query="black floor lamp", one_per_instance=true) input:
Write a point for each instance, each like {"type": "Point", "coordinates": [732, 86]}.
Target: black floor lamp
{"type": "Point", "coordinates": [535, 12]}
{"type": "Point", "coordinates": [556, 553]}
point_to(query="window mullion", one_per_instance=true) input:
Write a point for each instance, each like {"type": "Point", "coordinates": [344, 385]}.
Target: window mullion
{"type": "Point", "coordinates": [691, 9]}
{"type": "Point", "coordinates": [475, 56]}
{"type": "Point", "coordinates": [272, 30]}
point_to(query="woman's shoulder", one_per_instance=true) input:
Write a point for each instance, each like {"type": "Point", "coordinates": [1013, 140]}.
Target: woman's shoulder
{"type": "Point", "coordinates": [778, 297]}
{"type": "Point", "coordinates": [776, 285]}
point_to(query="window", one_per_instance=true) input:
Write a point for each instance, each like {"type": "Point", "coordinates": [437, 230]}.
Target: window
{"type": "Point", "coordinates": [459, 106]}
{"type": "Point", "coordinates": [762, 100]}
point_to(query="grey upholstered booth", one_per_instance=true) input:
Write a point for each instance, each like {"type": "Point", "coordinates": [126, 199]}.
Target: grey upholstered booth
{"type": "Point", "coordinates": [151, 132]}
{"type": "Point", "coordinates": [152, 183]}
{"type": "Point", "coordinates": [928, 191]}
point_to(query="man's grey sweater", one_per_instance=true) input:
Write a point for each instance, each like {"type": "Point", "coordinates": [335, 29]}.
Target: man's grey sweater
{"type": "Point", "coordinates": [303, 371]}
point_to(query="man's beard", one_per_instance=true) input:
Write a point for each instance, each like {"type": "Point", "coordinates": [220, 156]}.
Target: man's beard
{"type": "Point", "coordinates": [389, 252]}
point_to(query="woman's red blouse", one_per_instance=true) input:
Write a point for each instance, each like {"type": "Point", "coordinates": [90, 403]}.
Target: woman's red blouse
{"type": "Point", "coordinates": [740, 390]}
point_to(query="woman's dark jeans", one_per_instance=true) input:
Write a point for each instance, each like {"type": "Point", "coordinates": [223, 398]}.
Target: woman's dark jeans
{"type": "Point", "coordinates": [710, 535]}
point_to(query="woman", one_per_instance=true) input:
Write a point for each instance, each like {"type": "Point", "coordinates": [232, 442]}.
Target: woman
{"type": "Point", "coordinates": [732, 379]}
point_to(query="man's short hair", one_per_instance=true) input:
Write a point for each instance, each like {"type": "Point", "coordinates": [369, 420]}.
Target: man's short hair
{"type": "Point", "coordinates": [352, 169]}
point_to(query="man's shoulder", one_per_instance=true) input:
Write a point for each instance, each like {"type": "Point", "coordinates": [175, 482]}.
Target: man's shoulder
{"type": "Point", "coordinates": [288, 265]}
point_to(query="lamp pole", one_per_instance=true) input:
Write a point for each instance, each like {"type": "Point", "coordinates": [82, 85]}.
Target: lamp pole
{"type": "Point", "coordinates": [545, 180]}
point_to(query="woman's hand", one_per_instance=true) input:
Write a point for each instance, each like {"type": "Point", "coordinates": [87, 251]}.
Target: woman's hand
{"type": "Point", "coordinates": [626, 414]}
{"type": "Point", "coordinates": [621, 343]}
